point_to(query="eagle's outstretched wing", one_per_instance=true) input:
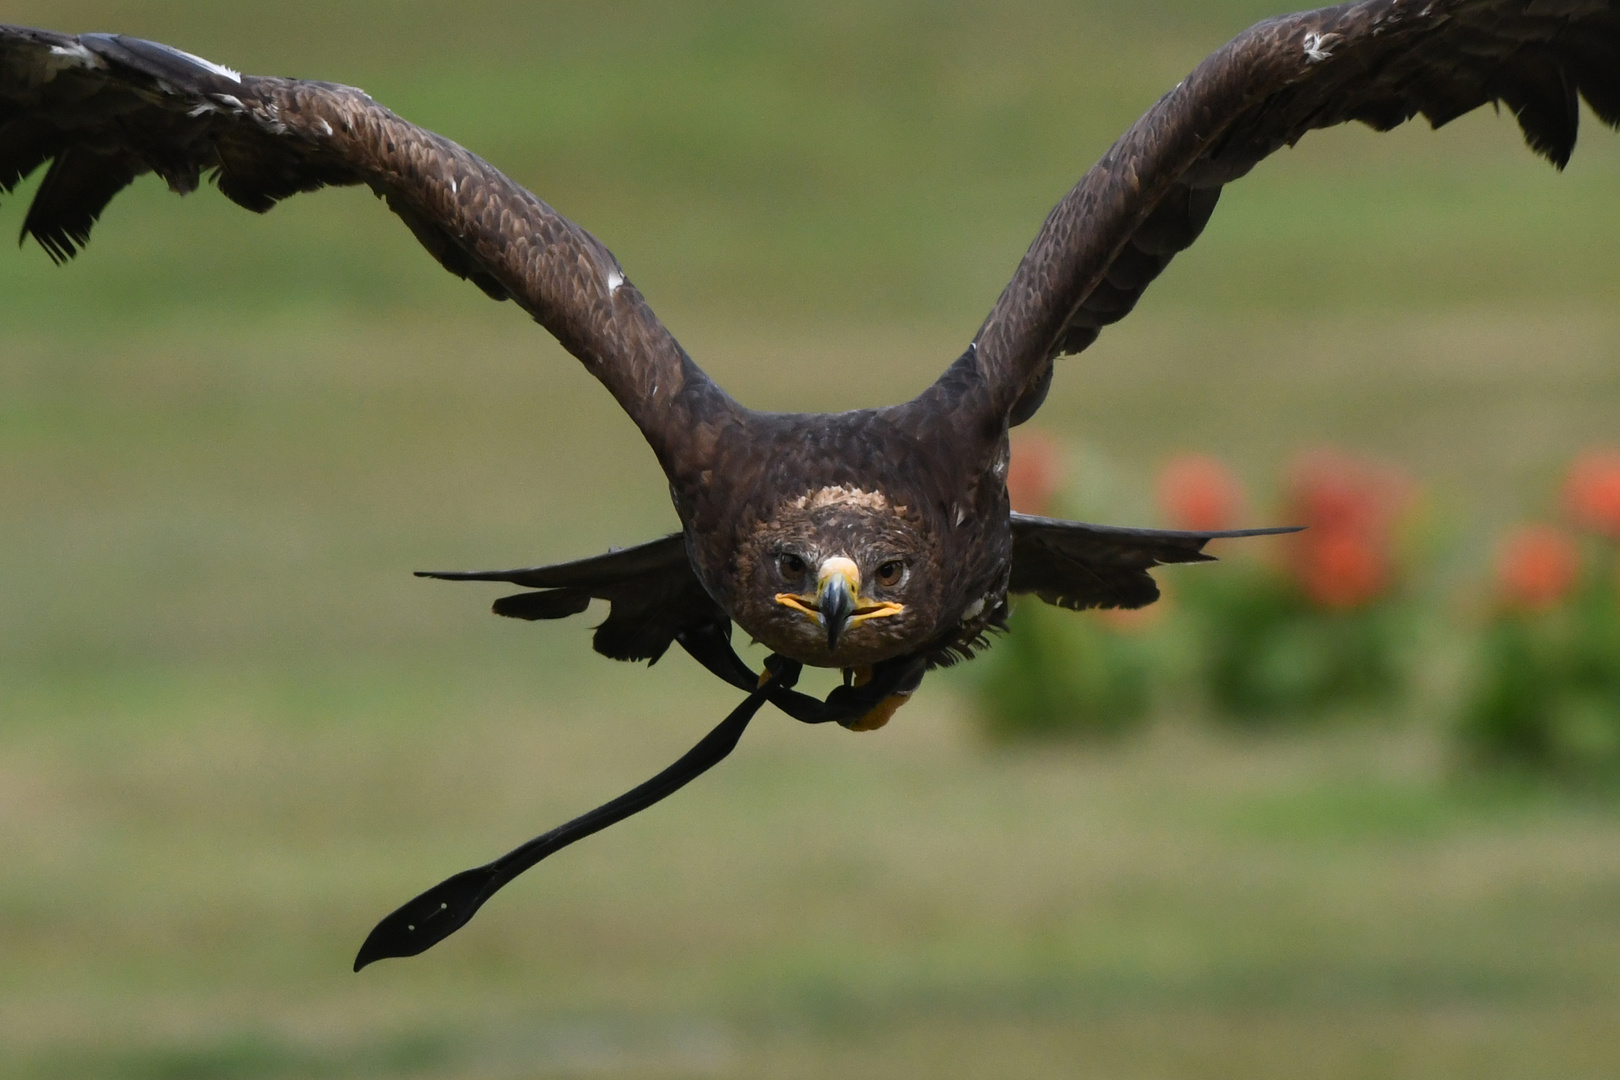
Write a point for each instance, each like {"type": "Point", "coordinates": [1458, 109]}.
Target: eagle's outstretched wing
{"type": "Point", "coordinates": [1077, 565]}
{"type": "Point", "coordinates": [1380, 61]}
{"type": "Point", "coordinates": [653, 592]}
{"type": "Point", "coordinates": [104, 109]}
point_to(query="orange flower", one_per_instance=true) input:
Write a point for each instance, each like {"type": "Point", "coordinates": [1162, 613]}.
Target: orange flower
{"type": "Point", "coordinates": [1536, 567]}
{"type": "Point", "coordinates": [1346, 556]}
{"type": "Point", "coordinates": [1592, 492]}
{"type": "Point", "coordinates": [1336, 491]}
{"type": "Point", "coordinates": [1198, 492]}
{"type": "Point", "coordinates": [1034, 472]}
{"type": "Point", "coordinates": [1341, 569]}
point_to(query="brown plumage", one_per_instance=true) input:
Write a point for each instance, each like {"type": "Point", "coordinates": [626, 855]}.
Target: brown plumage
{"type": "Point", "coordinates": [878, 540]}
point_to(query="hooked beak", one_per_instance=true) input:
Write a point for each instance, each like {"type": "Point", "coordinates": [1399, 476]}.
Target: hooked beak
{"type": "Point", "coordinates": [835, 597]}
{"type": "Point", "coordinates": [838, 603]}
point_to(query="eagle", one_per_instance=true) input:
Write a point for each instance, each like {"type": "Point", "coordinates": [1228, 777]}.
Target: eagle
{"type": "Point", "coordinates": [880, 541]}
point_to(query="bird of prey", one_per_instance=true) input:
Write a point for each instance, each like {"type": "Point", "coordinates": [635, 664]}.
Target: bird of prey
{"type": "Point", "coordinates": [878, 541]}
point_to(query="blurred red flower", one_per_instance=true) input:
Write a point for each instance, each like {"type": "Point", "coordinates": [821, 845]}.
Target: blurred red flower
{"type": "Point", "coordinates": [1034, 472]}
{"type": "Point", "coordinates": [1345, 558]}
{"type": "Point", "coordinates": [1536, 567]}
{"type": "Point", "coordinates": [1342, 570]}
{"type": "Point", "coordinates": [1198, 492]}
{"type": "Point", "coordinates": [1592, 492]}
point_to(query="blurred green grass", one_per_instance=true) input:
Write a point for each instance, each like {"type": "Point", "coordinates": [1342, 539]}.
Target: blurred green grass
{"type": "Point", "coordinates": [234, 732]}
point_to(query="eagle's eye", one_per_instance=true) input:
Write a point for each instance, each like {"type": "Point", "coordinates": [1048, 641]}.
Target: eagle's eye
{"type": "Point", "coordinates": [890, 573]}
{"type": "Point", "coordinates": [791, 565]}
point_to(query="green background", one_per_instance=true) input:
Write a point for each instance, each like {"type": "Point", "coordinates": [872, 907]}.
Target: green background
{"type": "Point", "coordinates": [234, 731]}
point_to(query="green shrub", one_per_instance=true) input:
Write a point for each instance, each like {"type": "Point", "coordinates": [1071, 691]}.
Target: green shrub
{"type": "Point", "coordinates": [1268, 653]}
{"type": "Point", "coordinates": [1060, 673]}
{"type": "Point", "coordinates": [1546, 688]}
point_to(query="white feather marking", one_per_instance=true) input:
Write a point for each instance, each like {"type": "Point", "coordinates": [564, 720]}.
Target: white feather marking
{"type": "Point", "coordinates": [232, 100]}
{"type": "Point", "coordinates": [455, 186]}
{"type": "Point", "coordinates": [614, 281]}
{"type": "Point", "coordinates": [197, 110]}
{"type": "Point", "coordinates": [218, 69]}
{"type": "Point", "coordinates": [961, 514]}
{"type": "Point", "coordinates": [326, 129]}
{"type": "Point", "coordinates": [974, 610]}
{"type": "Point", "coordinates": [840, 496]}
{"type": "Point", "coordinates": [78, 53]}
{"type": "Point", "coordinates": [1316, 49]}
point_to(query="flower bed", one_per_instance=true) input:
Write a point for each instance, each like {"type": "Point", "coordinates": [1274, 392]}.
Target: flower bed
{"type": "Point", "coordinates": [1333, 620]}
{"type": "Point", "coordinates": [1546, 688]}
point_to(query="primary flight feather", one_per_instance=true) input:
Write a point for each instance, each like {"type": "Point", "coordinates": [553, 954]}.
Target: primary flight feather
{"type": "Point", "coordinates": [879, 541]}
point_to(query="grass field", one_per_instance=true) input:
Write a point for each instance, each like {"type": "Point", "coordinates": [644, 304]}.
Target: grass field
{"type": "Point", "coordinates": [234, 731]}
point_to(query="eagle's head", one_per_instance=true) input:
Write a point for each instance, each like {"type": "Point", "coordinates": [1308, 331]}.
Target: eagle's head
{"type": "Point", "coordinates": [839, 577]}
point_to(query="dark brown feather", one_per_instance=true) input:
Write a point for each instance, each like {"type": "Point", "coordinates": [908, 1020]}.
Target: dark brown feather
{"type": "Point", "coordinates": [653, 593]}
{"type": "Point", "coordinates": [108, 108]}
{"type": "Point", "coordinates": [1077, 565]}
{"type": "Point", "coordinates": [1380, 61]}
{"type": "Point", "coordinates": [76, 189]}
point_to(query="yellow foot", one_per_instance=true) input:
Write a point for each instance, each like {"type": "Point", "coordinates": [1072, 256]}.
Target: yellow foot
{"type": "Point", "coordinates": [886, 708]}
{"type": "Point", "coordinates": [880, 715]}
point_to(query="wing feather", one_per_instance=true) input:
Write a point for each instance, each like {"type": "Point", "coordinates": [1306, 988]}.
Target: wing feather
{"type": "Point", "coordinates": [653, 593]}
{"type": "Point", "coordinates": [104, 109]}
{"type": "Point", "coordinates": [1381, 62]}
{"type": "Point", "coordinates": [1077, 565]}
{"type": "Point", "coordinates": [76, 189]}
